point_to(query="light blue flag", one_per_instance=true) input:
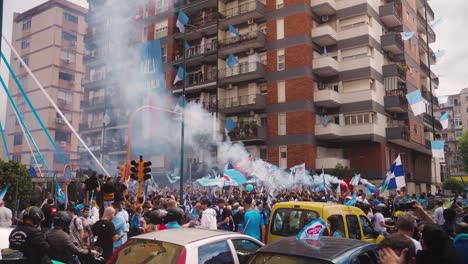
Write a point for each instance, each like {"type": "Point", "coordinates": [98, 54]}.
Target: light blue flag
{"type": "Point", "coordinates": [395, 177]}
{"type": "Point", "coordinates": [207, 182]}
{"type": "Point", "coordinates": [325, 120]}
{"type": "Point", "coordinates": [179, 105]}
{"type": "Point", "coordinates": [187, 45]}
{"type": "Point", "coordinates": [355, 180]}
{"type": "Point", "coordinates": [406, 35]}
{"type": "Point", "coordinates": [231, 61]}
{"type": "Point", "coordinates": [416, 101]}
{"type": "Point", "coordinates": [233, 31]}
{"type": "Point", "coordinates": [172, 177]}
{"type": "Point", "coordinates": [234, 178]}
{"type": "Point", "coordinates": [444, 120]}
{"type": "Point", "coordinates": [60, 194]}
{"type": "Point", "coordinates": [437, 147]}
{"type": "Point", "coordinates": [3, 192]}
{"type": "Point", "coordinates": [182, 20]}
{"type": "Point", "coordinates": [353, 200]}
{"type": "Point", "coordinates": [437, 22]}
{"type": "Point", "coordinates": [230, 125]}
{"type": "Point", "coordinates": [439, 54]}
{"type": "Point", "coordinates": [180, 75]}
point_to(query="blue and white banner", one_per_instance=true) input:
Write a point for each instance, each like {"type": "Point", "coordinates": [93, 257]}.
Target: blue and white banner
{"type": "Point", "coordinates": [395, 177]}
{"type": "Point", "coordinates": [406, 35]}
{"type": "Point", "coordinates": [355, 180]}
{"type": "Point", "coordinates": [209, 182]}
{"type": "Point", "coordinates": [437, 147]}
{"type": "Point", "coordinates": [313, 231]}
{"type": "Point", "coordinates": [444, 120]}
{"type": "Point", "coordinates": [234, 33]}
{"type": "Point", "coordinates": [234, 178]}
{"type": "Point", "coordinates": [231, 61]}
{"type": "Point", "coordinates": [352, 201]}
{"type": "Point", "coordinates": [230, 125]}
{"type": "Point", "coordinates": [61, 198]}
{"type": "Point", "coordinates": [151, 65]}
{"type": "Point", "coordinates": [172, 177]}
{"type": "Point", "coordinates": [3, 192]}
{"type": "Point", "coordinates": [179, 75]}
{"type": "Point", "coordinates": [182, 20]}
{"type": "Point", "coordinates": [416, 101]}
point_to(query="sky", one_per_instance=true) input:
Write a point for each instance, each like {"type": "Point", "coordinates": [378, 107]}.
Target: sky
{"type": "Point", "coordinates": [452, 36]}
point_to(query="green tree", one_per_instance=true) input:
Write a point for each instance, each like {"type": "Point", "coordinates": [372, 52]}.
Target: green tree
{"type": "Point", "coordinates": [342, 172]}
{"type": "Point", "coordinates": [453, 185]}
{"type": "Point", "coordinates": [463, 148]}
{"type": "Point", "coordinates": [17, 176]}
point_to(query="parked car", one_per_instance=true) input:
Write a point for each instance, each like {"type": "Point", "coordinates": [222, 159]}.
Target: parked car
{"type": "Point", "coordinates": [288, 218]}
{"type": "Point", "coordinates": [187, 246]}
{"type": "Point", "coordinates": [327, 250]}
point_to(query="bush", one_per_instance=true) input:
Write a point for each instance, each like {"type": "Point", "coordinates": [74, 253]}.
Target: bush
{"type": "Point", "coordinates": [16, 175]}
{"type": "Point", "coordinates": [453, 185]}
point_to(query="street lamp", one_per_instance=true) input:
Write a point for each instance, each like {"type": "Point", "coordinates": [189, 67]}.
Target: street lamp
{"type": "Point", "coordinates": [182, 126]}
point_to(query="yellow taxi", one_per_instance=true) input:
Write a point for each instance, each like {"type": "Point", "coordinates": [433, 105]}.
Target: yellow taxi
{"type": "Point", "coordinates": [288, 218]}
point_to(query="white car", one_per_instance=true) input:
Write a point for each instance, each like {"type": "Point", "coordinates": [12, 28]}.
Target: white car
{"type": "Point", "coordinates": [187, 246]}
{"type": "Point", "coordinates": [4, 236]}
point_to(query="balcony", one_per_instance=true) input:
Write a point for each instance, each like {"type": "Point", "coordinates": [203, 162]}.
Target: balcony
{"type": "Point", "coordinates": [244, 42]}
{"type": "Point", "coordinates": [202, 26]}
{"type": "Point", "coordinates": [324, 35]}
{"type": "Point", "coordinates": [197, 81]}
{"type": "Point", "coordinates": [242, 72]}
{"type": "Point", "coordinates": [198, 54]}
{"type": "Point", "coordinates": [240, 104]}
{"type": "Point", "coordinates": [336, 132]}
{"type": "Point", "coordinates": [390, 14]}
{"type": "Point", "coordinates": [97, 102]}
{"type": "Point", "coordinates": [392, 43]}
{"type": "Point", "coordinates": [64, 104]}
{"type": "Point", "coordinates": [94, 84]}
{"type": "Point", "coordinates": [330, 162]}
{"type": "Point", "coordinates": [395, 101]}
{"type": "Point", "coordinates": [401, 136]}
{"type": "Point", "coordinates": [323, 7]}
{"type": "Point", "coordinates": [327, 96]}
{"type": "Point", "coordinates": [395, 70]}
{"type": "Point", "coordinates": [249, 133]}
{"type": "Point", "coordinates": [242, 14]}
{"type": "Point", "coordinates": [422, 23]}
{"type": "Point", "coordinates": [325, 66]}
{"type": "Point", "coordinates": [194, 6]}
{"type": "Point", "coordinates": [329, 132]}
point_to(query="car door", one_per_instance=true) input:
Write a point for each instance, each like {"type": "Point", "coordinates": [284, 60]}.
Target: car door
{"type": "Point", "coordinates": [216, 252]}
{"type": "Point", "coordinates": [244, 249]}
{"type": "Point", "coordinates": [369, 256]}
{"type": "Point", "coordinates": [370, 235]}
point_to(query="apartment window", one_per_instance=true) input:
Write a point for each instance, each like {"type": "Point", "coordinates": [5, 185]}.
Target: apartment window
{"type": "Point", "coordinates": [67, 56]}
{"type": "Point", "coordinates": [355, 53]}
{"type": "Point", "coordinates": [359, 119]}
{"type": "Point", "coordinates": [25, 43]}
{"type": "Point", "coordinates": [67, 115]}
{"type": "Point", "coordinates": [65, 97]}
{"type": "Point", "coordinates": [282, 124]}
{"type": "Point", "coordinates": [16, 122]}
{"type": "Point", "coordinates": [263, 154]}
{"type": "Point", "coordinates": [17, 158]}
{"type": "Point", "coordinates": [281, 92]}
{"type": "Point", "coordinates": [160, 29]}
{"type": "Point", "coordinates": [279, 4]}
{"type": "Point", "coordinates": [457, 122]}
{"type": "Point", "coordinates": [161, 6]}
{"type": "Point", "coordinates": [62, 137]}
{"type": "Point", "coordinates": [26, 61]}
{"type": "Point", "coordinates": [27, 25]}
{"type": "Point", "coordinates": [67, 16]}
{"type": "Point", "coordinates": [66, 76]}
{"type": "Point", "coordinates": [164, 54]}
{"type": "Point", "coordinates": [280, 28]}
{"type": "Point", "coordinates": [69, 36]}
{"type": "Point", "coordinates": [283, 156]}
{"type": "Point", "coordinates": [280, 57]}
{"type": "Point", "coordinates": [18, 140]}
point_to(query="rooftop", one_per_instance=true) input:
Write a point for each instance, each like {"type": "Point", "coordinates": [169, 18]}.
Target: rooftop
{"type": "Point", "coordinates": [47, 5]}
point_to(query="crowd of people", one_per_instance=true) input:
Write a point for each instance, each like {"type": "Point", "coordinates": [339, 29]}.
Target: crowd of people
{"type": "Point", "coordinates": [91, 231]}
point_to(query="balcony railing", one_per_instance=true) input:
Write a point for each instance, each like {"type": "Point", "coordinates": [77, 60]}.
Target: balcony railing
{"type": "Point", "coordinates": [242, 103]}
{"type": "Point", "coordinates": [244, 37]}
{"type": "Point", "coordinates": [392, 70]}
{"type": "Point", "coordinates": [199, 77]}
{"type": "Point", "coordinates": [196, 51]}
{"type": "Point", "coordinates": [204, 20]}
{"type": "Point", "coordinates": [393, 43]}
{"type": "Point", "coordinates": [248, 132]}
{"type": "Point", "coordinates": [242, 9]}
{"type": "Point", "coordinates": [242, 68]}
{"type": "Point", "coordinates": [391, 14]}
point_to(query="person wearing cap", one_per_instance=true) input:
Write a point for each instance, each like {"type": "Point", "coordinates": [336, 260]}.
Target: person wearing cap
{"type": "Point", "coordinates": [406, 224]}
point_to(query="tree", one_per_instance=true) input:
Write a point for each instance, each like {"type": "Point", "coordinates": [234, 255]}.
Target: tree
{"type": "Point", "coordinates": [463, 148]}
{"type": "Point", "coordinates": [17, 176]}
{"type": "Point", "coordinates": [342, 172]}
{"type": "Point", "coordinates": [453, 185]}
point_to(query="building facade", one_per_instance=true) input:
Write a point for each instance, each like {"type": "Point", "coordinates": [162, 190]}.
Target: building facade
{"type": "Point", "coordinates": [316, 82]}
{"type": "Point", "coordinates": [49, 38]}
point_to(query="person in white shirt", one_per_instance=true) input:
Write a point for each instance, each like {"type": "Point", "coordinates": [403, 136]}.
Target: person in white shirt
{"type": "Point", "coordinates": [208, 219]}
{"type": "Point", "coordinates": [406, 224]}
{"type": "Point", "coordinates": [5, 215]}
{"type": "Point", "coordinates": [439, 213]}
{"type": "Point", "coordinates": [379, 221]}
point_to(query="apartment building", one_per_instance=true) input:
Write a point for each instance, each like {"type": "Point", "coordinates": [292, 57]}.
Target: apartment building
{"type": "Point", "coordinates": [49, 38]}
{"type": "Point", "coordinates": [456, 106]}
{"type": "Point", "coordinates": [319, 82]}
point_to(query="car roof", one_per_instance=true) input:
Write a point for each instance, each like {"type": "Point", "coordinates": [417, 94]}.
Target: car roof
{"type": "Point", "coordinates": [184, 236]}
{"type": "Point", "coordinates": [312, 204]}
{"type": "Point", "coordinates": [329, 248]}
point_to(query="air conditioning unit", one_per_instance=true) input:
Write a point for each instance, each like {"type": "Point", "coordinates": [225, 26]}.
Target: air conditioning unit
{"type": "Point", "coordinates": [251, 51]}
{"type": "Point", "coordinates": [59, 120]}
{"type": "Point", "coordinates": [324, 18]}
{"type": "Point", "coordinates": [250, 21]}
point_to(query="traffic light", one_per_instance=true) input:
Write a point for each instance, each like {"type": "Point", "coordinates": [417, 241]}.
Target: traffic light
{"type": "Point", "coordinates": [146, 170]}
{"type": "Point", "coordinates": [134, 170]}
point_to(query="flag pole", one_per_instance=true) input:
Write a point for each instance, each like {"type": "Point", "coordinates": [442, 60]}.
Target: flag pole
{"type": "Point", "coordinates": [182, 127]}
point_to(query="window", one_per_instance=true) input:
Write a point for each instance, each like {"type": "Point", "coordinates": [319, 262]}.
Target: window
{"type": "Point", "coordinates": [25, 43]}
{"type": "Point", "coordinates": [164, 54]}
{"type": "Point", "coordinates": [457, 122]}
{"type": "Point", "coordinates": [67, 56]}
{"type": "Point", "coordinates": [66, 76]}
{"type": "Point", "coordinates": [160, 29]}
{"type": "Point", "coordinates": [281, 92]}
{"type": "Point", "coordinates": [244, 249]}
{"type": "Point", "coordinates": [283, 157]}
{"type": "Point", "coordinates": [26, 61]}
{"type": "Point", "coordinates": [341, 227]}
{"type": "Point", "coordinates": [27, 25]}
{"type": "Point", "coordinates": [62, 137]}
{"type": "Point", "coordinates": [64, 97]}
{"type": "Point", "coordinates": [354, 230]}
{"type": "Point", "coordinates": [218, 252]}
{"type": "Point", "coordinates": [69, 36]}
{"type": "Point", "coordinates": [289, 221]}
{"type": "Point", "coordinates": [359, 119]}
{"type": "Point", "coordinates": [18, 140]}
{"type": "Point", "coordinates": [280, 28]}
{"type": "Point", "coordinates": [263, 153]}
{"type": "Point", "coordinates": [367, 228]}
{"type": "Point", "coordinates": [161, 6]}
{"type": "Point", "coordinates": [17, 158]}
{"type": "Point", "coordinates": [280, 57]}
{"type": "Point", "coordinates": [67, 16]}
{"type": "Point", "coordinates": [282, 124]}
{"type": "Point", "coordinates": [279, 4]}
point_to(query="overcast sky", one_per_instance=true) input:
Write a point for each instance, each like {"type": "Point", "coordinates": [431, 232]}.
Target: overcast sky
{"type": "Point", "coordinates": [452, 36]}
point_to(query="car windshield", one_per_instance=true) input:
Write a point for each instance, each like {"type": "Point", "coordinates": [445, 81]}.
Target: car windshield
{"type": "Point", "coordinates": [283, 259]}
{"type": "Point", "coordinates": [289, 221]}
{"type": "Point", "coordinates": [142, 251]}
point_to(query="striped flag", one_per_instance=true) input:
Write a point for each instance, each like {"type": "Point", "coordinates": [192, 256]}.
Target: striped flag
{"type": "Point", "coordinates": [416, 101]}
{"type": "Point", "coordinates": [182, 20]}
{"type": "Point", "coordinates": [395, 177]}
{"type": "Point", "coordinates": [233, 31]}
{"type": "Point", "coordinates": [355, 180]}
{"type": "Point", "coordinates": [406, 35]}
{"type": "Point", "coordinates": [437, 147]}
{"type": "Point", "coordinates": [444, 120]}
{"type": "Point", "coordinates": [180, 75]}
{"type": "Point", "coordinates": [3, 192]}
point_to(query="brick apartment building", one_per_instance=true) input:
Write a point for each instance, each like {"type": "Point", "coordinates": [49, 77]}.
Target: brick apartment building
{"type": "Point", "coordinates": [49, 38]}
{"type": "Point", "coordinates": [320, 81]}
